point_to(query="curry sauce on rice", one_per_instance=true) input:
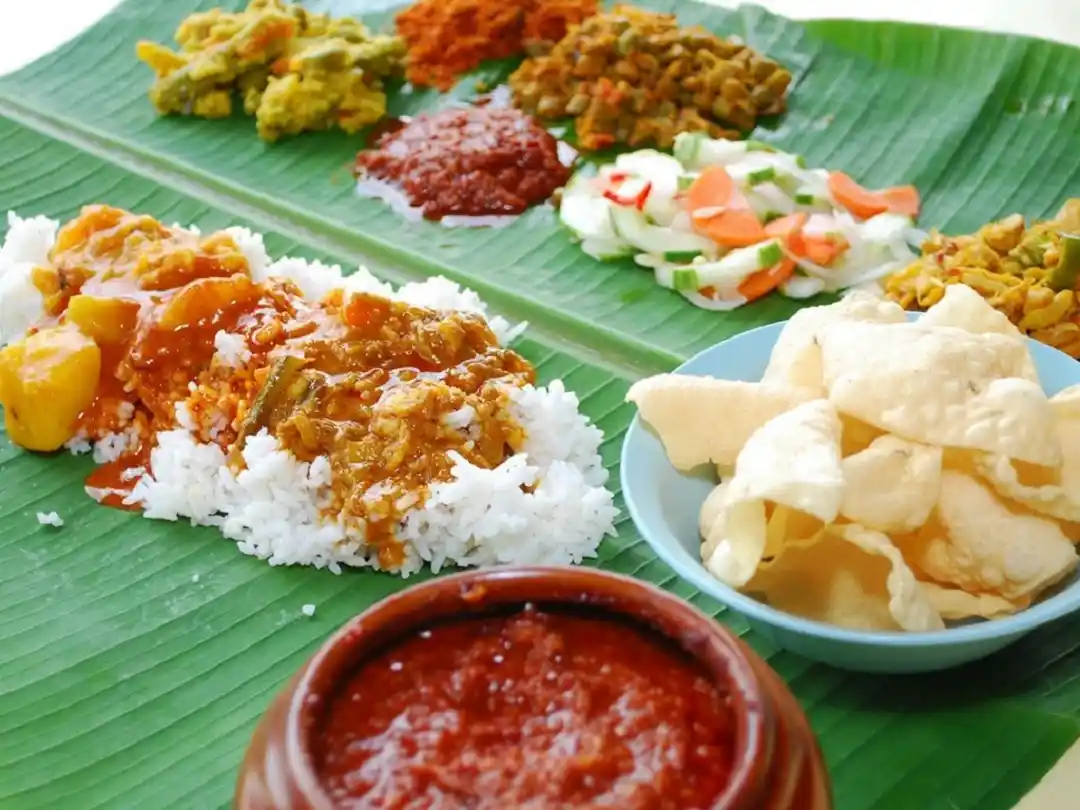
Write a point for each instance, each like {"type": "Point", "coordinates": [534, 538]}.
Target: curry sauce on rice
{"type": "Point", "coordinates": [315, 418]}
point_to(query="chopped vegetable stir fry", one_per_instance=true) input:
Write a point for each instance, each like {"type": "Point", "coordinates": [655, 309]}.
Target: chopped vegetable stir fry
{"type": "Point", "coordinates": [727, 222]}
{"type": "Point", "coordinates": [632, 76]}
{"type": "Point", "coordinates": [295, 70]}
{"type": "Point", "coordinates": [1029, 273]}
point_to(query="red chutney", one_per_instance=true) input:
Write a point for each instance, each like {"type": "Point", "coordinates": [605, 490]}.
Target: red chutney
{"type": "Point", "coordinates": [468, 161]}
{"type": "Point", "coordinates": [545, 710]}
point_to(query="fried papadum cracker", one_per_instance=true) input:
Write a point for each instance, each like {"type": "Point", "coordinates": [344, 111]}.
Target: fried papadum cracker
{"type": "Point", "coordinates": [794, 462]}
{"type": "Point", "coordinates": [940, 386]}
{"type": "Point", "coordinates": [702, 419]}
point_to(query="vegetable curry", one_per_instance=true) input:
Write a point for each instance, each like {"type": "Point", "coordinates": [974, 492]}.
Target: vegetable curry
{"type": "Point", "coordinates": [134, 313]}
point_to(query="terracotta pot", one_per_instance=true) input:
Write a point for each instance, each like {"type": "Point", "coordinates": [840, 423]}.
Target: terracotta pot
{"type": "Point", "coordinates": [778, 765]}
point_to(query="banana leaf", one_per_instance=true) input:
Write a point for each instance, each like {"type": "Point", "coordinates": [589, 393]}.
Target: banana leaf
{"type": "Point", "coordinates": [136, 656]}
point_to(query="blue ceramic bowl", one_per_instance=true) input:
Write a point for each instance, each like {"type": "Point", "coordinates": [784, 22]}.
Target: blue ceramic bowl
{"type": "Point", "coordinates": [665, 503]}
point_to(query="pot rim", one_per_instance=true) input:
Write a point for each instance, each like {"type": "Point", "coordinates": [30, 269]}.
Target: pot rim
{"type": "Point", "coordinates": [474, 591]}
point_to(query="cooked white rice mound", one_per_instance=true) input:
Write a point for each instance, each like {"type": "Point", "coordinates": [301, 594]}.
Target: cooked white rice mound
{"type": "Point", "coordinates": [26, 245]}
{"type": "Point", "coordinates": [273, 508]}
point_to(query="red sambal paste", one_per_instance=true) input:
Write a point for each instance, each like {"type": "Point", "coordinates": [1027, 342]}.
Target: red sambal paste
{"type": "Point", "coordinates": [545, 710]}
{"type": "Point", "coordinates": [468, 161]}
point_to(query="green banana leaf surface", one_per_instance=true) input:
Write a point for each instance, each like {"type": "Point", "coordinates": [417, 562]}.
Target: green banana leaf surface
{"type": "Point", "coordinates": [136, 655]}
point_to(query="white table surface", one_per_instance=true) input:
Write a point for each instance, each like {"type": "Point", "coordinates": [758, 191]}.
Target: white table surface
{"type": "Point", "coordinates": [31, 28]}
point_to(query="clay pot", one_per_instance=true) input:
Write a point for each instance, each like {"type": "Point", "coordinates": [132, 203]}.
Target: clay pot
{"type": "Point", "coordinates": [778, 765]}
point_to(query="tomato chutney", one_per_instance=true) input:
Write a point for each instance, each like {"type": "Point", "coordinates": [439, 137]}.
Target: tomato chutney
{"type": "Point", "coordinates": [539, 708]}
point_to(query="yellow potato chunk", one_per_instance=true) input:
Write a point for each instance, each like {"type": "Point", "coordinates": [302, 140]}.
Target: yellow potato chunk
{"type": "Point", "coordinates": [46, 381]}
{"type": "Point", "coordinates": [106, 320]}
{"type": "Point", "coordinates": [203, 299]}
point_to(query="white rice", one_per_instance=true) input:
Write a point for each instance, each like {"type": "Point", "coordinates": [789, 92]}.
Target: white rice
{"type": "Point", "coordinates": [547, 504]}
{"type": "Point", "coordinates": [272, 508]}
{"type": "Point", "coordinates": [49, 519]}
{"type": "Point", "coordinates": [308, 609]}
{"type": "Point", "coordinates": [231, 350]}
{"type": "Point", "coordinates": [26, 245]}
{"type": "Point", "coordinates": [78, 444]}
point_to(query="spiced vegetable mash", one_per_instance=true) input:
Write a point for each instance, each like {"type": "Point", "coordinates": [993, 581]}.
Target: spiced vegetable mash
{"type": "Point", "coordinates": [1029, 272]}
{"type": "Point", "coordinates": [635, 77]}
{"type": "Point", "coordinates": [294, 70]}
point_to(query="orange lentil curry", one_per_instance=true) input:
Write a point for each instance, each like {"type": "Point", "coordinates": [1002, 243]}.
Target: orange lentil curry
{"type": "Point", "coordinates": [376, 386]}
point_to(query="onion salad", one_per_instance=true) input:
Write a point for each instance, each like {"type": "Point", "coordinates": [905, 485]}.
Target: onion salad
{"type": "Point", "coordinates": [726, 222]}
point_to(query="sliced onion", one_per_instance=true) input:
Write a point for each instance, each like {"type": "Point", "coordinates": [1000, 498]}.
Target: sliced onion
{"type": "Point", "coordinates": [648, 260]}
{"type": "Point", "coordinates": [391, 195]}
{"type": "Point", "coordinates": [709, 211]}
{"type": "Point", "coordinates": [488, 221]}
{"type": "Point", "coordinates": [714, 304]}
{"type": "Point", "coordinates": [802, 287]}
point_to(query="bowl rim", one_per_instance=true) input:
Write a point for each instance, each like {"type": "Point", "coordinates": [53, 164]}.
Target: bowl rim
{"type": "Point", "coordinates": [694, 572]}
{"type": "Point", "coordinates": [712, 644]}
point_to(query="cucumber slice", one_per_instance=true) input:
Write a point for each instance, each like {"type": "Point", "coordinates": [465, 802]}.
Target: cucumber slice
{"type": "Point", "coordinates": [606, 250]}
{"type": "Point", "coordinates": [771, 216]}
{"type": "Point", "coordinates": [681, 256]}
{"type": "Point", "coordinates": [787, 183]}
{"type": "Point", "coordinates": [630, 226]}
{"type": "Point", "coordinates": [760, 176]}
{"type": "Point", "coordinates": [727, 273]}
{"type": "Point", "coordinates": [687, 146]}
{"type": "Point", "coordinates": [585, 213]}
{"type": "Point", "coordinates": [800, 161]}
{"type": "Point", "coordinates": [685, 181]}
{"type": "Point", "coordinates": [686, 278]}
{"type": "Point", "coordinates": [717, 153]}
{"type": "Point", "coordinates": [759, 146]}
{"type": "Point", "coordinates": [770, 255]}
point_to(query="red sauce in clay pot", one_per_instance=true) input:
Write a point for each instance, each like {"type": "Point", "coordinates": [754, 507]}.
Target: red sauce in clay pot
{"type": "Point", "coordinates": [538, 709]}
{"type": "Point", "coordinates": [539, 689]}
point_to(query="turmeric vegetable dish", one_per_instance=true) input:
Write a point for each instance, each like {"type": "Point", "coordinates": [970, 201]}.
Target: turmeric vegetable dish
{"type": "Point", "coordinates": [635, 77]}
{"type": "Point", "coordinates": [1030, 273]}
{"type": "Point", "coordinates": [136, 318]}
{"type": "Point", "coordinates": [449, 37]}
{"type": "Point", "coordinates": [294, 70]}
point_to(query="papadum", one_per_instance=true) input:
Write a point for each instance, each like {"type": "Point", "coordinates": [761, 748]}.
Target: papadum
{"type": "Point", "coordinates": [702, 419]}
{"type": "Point", "coordinates": [794, 462]}
{"type": "Point", "coordinates": [940, 386]}
{"type": "Point", "coordinates": [852, 577]}
{"type": "Point", "coordinates": [796, 359]}
{"type": "Point", "coordinates": [977, 544]}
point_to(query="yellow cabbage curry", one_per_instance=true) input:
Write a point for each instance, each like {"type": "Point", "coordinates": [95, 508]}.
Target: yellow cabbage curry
{"type": "Point", "coordinates": [134, 315]}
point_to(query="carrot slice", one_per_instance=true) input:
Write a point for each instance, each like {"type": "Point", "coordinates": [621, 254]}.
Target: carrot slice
{"type": "Point", "coordinates": [765, 281]}
{"type": "Point", "coordinates": [862, 202]}
{"type": "Point", "coordinates": [713, 188]}
{"type": "Point", "coordinates": [902, 200]}
{"type": "Point", "coordinates": [784, 227]}
{"type": "Point", "coordinates": [821, 250]}
{"type": "Point", "coordinates": [732, 228]}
